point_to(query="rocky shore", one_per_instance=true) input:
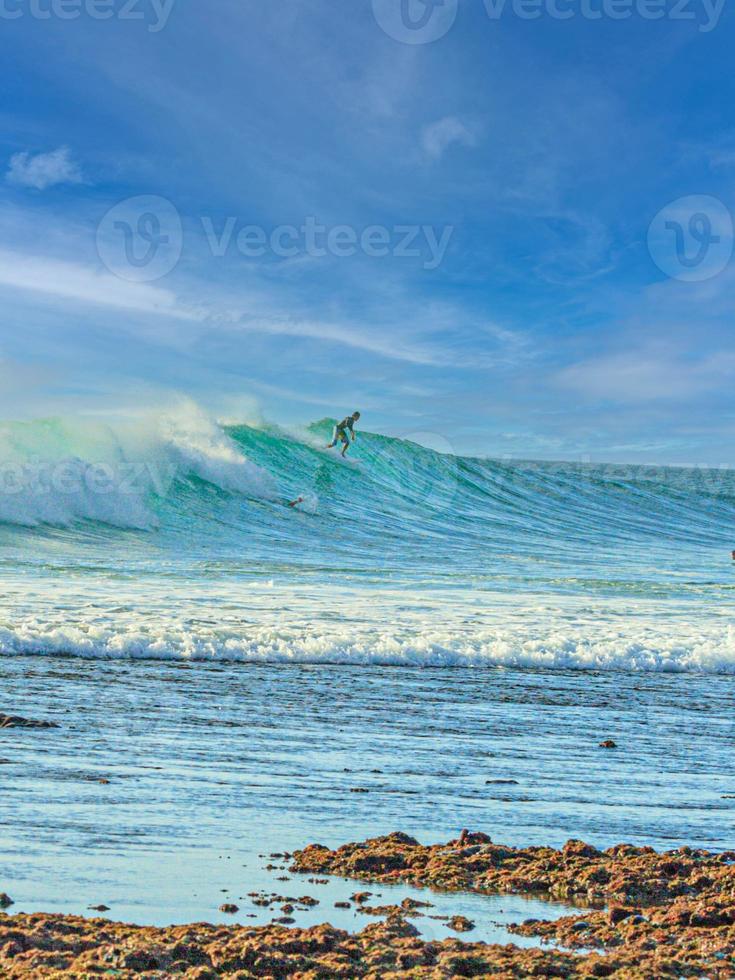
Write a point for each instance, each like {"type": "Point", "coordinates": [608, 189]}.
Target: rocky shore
{"type": "Point", "coordinates": [649, 915]}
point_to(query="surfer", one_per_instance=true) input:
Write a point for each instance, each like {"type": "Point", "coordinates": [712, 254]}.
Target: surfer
{"type": "Point", "coordinates": [340, 432]}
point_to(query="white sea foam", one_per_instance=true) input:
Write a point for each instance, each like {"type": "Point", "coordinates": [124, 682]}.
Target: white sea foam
{"type": "Point", "coordinates": [714, 653]}
{"type": "Point", "coordinates": [201, 447]}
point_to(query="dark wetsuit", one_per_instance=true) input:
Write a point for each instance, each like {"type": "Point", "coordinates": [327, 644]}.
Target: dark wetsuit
{"type": "Point", "coordinates": [340, 433]}
{"type": "Point", "coordinates": [340, 429]}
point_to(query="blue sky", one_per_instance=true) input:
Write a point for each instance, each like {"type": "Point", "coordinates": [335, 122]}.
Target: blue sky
{"type": "Point", "coordinates": [538, 151]}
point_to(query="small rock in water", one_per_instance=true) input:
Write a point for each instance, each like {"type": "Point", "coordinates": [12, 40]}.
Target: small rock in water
{"type": "Point", "coordinates": [412, 903]}
{"type": "Point", "coordinates": [15, 721]}
{"type": "Point", "coordinates": [284, 920]}
{"type": "Point", "coordinates": [99, 908]}
{"type": "Point", "coordinates": [608, 744]}
{"type": "Point", "coordinates": [229, 908]}
{"type": "Point", "coordinates": [359, 789]}
{"type": "Point", "coordinates": [361, 897]}
{"type": "Point", "coordinates": [342, 905]}
{"type": "Point", "coordinates": [5, 901]}
{"type": "Point", "coordinates": [460, 923]}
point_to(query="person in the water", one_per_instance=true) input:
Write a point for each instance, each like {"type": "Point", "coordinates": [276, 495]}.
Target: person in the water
{"type": "Point", "coordinates": [340, 432]}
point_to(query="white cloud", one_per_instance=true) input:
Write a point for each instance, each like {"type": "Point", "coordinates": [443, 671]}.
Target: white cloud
{"type": "Point", "coordinates": [44, 170]}
{"type": "Point", "coordinates": [437, 137]}
{"type": "Point", "coordinates": [71, 281]}
{"type": "Point", "coordinates": [647, 376]}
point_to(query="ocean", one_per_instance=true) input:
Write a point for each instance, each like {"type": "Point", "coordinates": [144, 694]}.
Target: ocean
{"type": "Point", "coordinates": [425, 643]}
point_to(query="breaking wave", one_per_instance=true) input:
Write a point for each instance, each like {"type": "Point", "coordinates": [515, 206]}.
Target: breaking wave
{"type": "Point", "coordinates": [172, 538]}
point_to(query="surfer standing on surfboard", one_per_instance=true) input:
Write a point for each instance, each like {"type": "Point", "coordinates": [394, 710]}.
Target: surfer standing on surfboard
{"type": "Point", "coordinates": [340, 432]}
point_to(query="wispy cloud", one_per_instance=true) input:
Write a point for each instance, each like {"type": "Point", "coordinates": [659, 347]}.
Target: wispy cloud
{"type": "Point", "coordinates": [648, 375]}
{"type": "Point", "coordinates": [437, 137]}
{"type": "Point", "coordinates": [44, 170]}
{"type": "Point", "coordinates": [73, 281]}
{"type": "Point", "coordinates": [393, 339]}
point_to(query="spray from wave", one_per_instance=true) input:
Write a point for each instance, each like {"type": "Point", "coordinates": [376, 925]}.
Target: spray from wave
{"type": "Point", "coordinates": [58, 473]}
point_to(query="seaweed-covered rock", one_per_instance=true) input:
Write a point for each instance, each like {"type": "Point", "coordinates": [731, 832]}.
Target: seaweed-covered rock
{"type": "Point", "coordinates": [680, 925]}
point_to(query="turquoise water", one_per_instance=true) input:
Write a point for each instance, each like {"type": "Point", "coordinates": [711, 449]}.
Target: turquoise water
{"type": "Point", "coordinates": [171, 538]}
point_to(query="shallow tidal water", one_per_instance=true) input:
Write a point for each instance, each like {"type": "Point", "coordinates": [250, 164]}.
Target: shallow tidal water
{"type": "Point", "coordinates": [213, 767]}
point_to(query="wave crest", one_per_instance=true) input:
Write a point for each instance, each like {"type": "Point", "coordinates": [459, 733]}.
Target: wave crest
{"type": "Point", "coordinates": [59, 473]}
